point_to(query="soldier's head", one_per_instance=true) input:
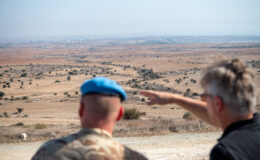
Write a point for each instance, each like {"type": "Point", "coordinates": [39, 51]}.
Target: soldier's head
{"type": "Point", "coordinates": [230, 83]}
{"type": "Point", "coordinates": [101, 101]}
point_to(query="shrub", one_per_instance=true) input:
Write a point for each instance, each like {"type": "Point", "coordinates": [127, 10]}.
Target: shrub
{"type": "Point", "coordinates": [16, 98]}
{"type": "Point", "coordinates": [26, 115]}
{"type": "Point", "coordinates": [40, 126]}
{"type": "Point", "coordinates": [19, 110]}
{"type": "Point", "coordinates": [24, 97]}
{"type": "Point", "coordinates": [6, 114]}
{"type": "Point", "coordinates": [57, 81]}
{"type": "Point", "coordinates": [186, 115]}
{"type": "Point", "coordinates": [133, 113]}
{"type": "Point", "coordinates": [24, 75]}
{"type": "Point", "coordinates": [20, 124]}
{"type": "Point", "coordinates": [1, 94]}
{"type": "Point", "coordinates": [76, 92]}
{"type": "Point", "coordinates": [68, 78]}
{"type": "Point", "coordinates": [55, 94]}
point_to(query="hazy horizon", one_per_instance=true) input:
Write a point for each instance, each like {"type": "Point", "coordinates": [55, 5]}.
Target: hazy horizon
{"type": "Point", "coordinates": [21, 19]}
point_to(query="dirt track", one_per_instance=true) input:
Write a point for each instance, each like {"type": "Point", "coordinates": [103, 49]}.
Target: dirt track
{"type": "Point", "coordinates": [187, 146]}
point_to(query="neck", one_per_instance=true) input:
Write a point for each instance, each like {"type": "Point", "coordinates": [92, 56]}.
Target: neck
{"type": "Point", "coordinates": [107, 126]}
{"type": "Point", "coordinates": [233, 118]}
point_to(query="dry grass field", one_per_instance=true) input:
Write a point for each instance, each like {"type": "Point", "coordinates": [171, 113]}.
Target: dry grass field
{"type": "Point", "coordinates": [39, 83]}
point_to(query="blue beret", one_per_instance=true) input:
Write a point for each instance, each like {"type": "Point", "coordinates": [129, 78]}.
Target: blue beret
{"type": "Point", "coordinates": [103, 85]}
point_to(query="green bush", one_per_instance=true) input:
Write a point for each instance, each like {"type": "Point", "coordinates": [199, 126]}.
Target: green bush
{"type": "Point", "coordinates": [2, 94]}
{"type": "Point", "coordinates": [19, 110]}
{"type": "Point", "coordinates": [133, 113]}
{"type": "Point", "coordinates": [186, 115]}
{"type": "Point", "coordinates": [40, 126]}
{"type": "Point", "coordinates": [24, 75]}
{"type": "Point", "coordinates": [134, 92]}
{"type": "Point", "coordinates": [6, 114]}
{"type": "Point", "coordinates": [20, 124]}
{"type": "Point", "coordinates": [24, 97]}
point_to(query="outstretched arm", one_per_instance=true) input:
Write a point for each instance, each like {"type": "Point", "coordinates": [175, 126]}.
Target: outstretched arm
{"type": "Point", "coordinates": [196, 107]}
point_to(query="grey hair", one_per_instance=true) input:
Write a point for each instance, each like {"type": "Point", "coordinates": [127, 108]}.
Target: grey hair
{"type": "Point", "coordinates": [234, 83]}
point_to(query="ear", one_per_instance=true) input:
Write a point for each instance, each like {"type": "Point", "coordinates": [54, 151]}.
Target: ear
{"type": "Point", "coordinates": [81, 109]}
{"type": "Point", "coordinates": [120, 113]}
{"type": "Point", "coordinates": [219, 104]}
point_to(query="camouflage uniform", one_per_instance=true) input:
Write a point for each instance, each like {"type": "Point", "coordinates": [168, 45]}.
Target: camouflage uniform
{"type": "Point", "coordinates": [87, 144]}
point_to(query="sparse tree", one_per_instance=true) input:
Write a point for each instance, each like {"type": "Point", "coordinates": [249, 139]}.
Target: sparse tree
{"type": "Point", "coordinates": [19, 110]}
{"type": "Point", "coordinates": [24, 75]}
{"type": "Point", "coordinates": [186, 116]}
{"type": "Point", "coordinates": [6, 114]}
{"type": "Point", "coordinates": [24, 97]}
{"type": "Point", "coordinates": [2, 94]}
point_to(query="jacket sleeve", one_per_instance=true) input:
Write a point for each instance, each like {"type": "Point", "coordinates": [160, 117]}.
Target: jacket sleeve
{"type": "Point", "coordinates": [219, 152]}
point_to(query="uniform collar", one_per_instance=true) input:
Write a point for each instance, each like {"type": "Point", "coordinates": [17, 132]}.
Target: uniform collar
{"type": "Point", "coordinates": [240, 125]}
{"type": "Point", "coordinates": [96, 131]}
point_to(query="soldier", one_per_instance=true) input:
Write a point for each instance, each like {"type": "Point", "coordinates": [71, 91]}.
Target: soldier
{"type": "Point", "coordinates": [100, 107]}
{"type": "Point", "coordinates": [228, 102]}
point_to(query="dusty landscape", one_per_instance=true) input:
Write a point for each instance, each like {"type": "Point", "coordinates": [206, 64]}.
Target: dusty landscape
{"type": "Point", "coordinates": [40, 80]}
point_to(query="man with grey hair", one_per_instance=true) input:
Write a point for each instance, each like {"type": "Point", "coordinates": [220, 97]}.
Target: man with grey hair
{"type": "Point", "coordinates": [228, 102]}
{"type": "Point", "coordinates": [100, 107]}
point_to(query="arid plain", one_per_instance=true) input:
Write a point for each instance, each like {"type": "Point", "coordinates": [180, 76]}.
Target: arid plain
{"type": "Point", "coordinates": [39, 83]}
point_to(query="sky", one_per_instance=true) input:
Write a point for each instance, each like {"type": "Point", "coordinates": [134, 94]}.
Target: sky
{"type": "Point", "coordinates": [43, 18]}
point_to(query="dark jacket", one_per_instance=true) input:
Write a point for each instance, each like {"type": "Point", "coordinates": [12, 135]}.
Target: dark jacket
{"type": "Point", "coordinates": [240, 141]}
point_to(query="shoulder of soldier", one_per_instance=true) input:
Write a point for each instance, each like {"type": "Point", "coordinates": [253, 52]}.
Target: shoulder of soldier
{"type": "Point", "coordinates": [51, 146]}
{"type": "Point", "coordinates": [133, 155]}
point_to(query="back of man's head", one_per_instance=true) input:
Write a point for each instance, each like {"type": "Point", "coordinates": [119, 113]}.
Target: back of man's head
{"type": "Point", "coordinates": [234, 83]}
{"type": "Point", "coordinates": [98, 106]}
{"type": "Point", "coordinates": [101, 101]}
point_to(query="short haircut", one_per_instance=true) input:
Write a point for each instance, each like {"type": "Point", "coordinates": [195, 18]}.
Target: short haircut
{"type": "Point", "coordinates": [232, 80]}
{"type": "Point", "coordinates": [101, 105]}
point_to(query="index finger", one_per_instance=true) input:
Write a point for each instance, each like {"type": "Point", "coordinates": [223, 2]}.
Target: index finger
{"type": "Point", "coordinates": [146, 93]}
